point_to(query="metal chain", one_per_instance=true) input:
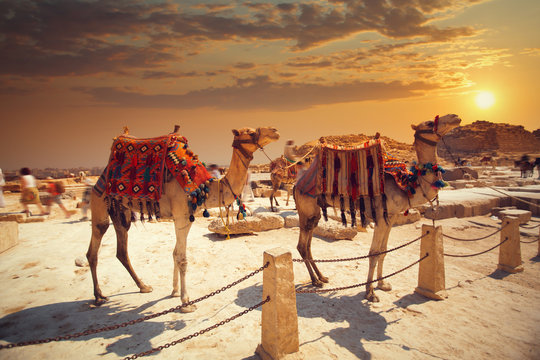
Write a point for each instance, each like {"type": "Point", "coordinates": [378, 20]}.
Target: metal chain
{"type": "Point", "coordinates": [364, 256]}
{"type": "Point", "coordinates": [200, 332]}
{"type": "Point", "coordinates": [480, 253]}
{"type": "Point", "coordinates": [528, 242]}
{"type": "Point", "coordinates": [132, 322]}
{"type": "Point", "coordinates": [362, 284]}
{"type": "Point", "coordinates": [475, 239]}
{"type": "Point", "coordinates": [529, 227]}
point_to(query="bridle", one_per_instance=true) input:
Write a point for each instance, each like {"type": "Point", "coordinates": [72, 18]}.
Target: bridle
{"type": "Point", "coordinates": [237, 144]}
{"type": "Point", "coordinates": [432, 131]}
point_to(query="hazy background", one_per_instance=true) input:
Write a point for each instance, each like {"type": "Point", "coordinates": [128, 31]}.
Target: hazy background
{"type": "Point", "coordinates": [73, 73]}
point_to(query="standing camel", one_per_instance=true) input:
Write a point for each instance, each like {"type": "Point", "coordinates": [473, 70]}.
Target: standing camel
{"type": "Point", "coordinates": [427, 135]}
{"type": "Point", "coordinates": [281, 172]}
{"type": "Point", "coordinates": [174, 203]}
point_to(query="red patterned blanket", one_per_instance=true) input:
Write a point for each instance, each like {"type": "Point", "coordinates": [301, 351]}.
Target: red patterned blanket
{"type": "Point", "coordinates": [136, 168]}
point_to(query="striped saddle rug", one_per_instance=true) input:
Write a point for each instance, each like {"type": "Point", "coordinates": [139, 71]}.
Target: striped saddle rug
{"type": "Point", "coordinates": [136, 171]}
{"type": "Point", "coordinates": [354, 174]}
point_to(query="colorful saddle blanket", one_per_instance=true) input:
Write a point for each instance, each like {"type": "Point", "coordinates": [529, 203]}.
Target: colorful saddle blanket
{"type": "Point", "coordinates": [353, 171]}
{"type": "Point", "coordinates": [136, 169]}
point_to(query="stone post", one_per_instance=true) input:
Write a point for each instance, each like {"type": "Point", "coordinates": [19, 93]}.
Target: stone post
{"type": "Point", "coordinates": [510, 250]}
{"type": "Point", "coordinates": [431, 280]}
{"type": "Point", "coordinates": [279, 333]}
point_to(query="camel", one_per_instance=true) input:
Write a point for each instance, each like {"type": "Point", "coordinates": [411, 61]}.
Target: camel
{"type": "Point", "coordinates": [427, 135]}
{"type": "Point", "coordinates": [280, 174]}
{"type": "Point", "coordinates": [174, 203]}
{"type": "Point", "coordinates": [526, 168]}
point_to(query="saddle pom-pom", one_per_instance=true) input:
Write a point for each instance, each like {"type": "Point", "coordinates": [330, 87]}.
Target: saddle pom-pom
{"type": "Point", "coordinates": [206, 213]}
{"type": "Point", "coordinates": [191, 218]}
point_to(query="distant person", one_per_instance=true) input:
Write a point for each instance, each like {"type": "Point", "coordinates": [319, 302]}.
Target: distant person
{"type": "Point", "coordinates": [213, 169]}
{"type": "Point", "coordinates": [86, 199]}
{"type": "Point", "coordinates": [29, 191]}
{"type": "Point", "coordinates": [56, 189]}
{"type": "Point", "coordinates": [2, 183]}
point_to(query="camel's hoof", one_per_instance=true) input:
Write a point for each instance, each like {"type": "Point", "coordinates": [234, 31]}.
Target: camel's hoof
{"type": "Point", "coordinates": [324, 279]}
{"type": "Point", "coordinates": [175, 293]}
{"type": "Point", "coordinates": [372, 297]}
{"type": "Point", "coordinates": [188, 308]}
{"type": "Point", "coordinates": [384, 286]}
{"type": "Point", "coordinates": [100, 300]}
{"type": "Point", "coordinates": [146, 289]}
{"type": "Point", "coordinates": [317, 283]}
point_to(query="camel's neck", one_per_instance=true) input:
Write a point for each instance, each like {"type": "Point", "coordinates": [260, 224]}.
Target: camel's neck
{"type": "Point", "coordinates": [231, 185]}
{"type": "Point", "coordinates": [425, 153]}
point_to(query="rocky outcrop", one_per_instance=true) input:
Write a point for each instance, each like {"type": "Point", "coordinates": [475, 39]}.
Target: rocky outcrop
{"type": "Point", "coordinates": [251, 224]}
{"type": "Point", "coordinates": [484, 137]}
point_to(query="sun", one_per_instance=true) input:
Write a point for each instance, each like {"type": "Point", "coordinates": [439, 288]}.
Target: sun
{"type": "Point", "coordinates": [485, 99]}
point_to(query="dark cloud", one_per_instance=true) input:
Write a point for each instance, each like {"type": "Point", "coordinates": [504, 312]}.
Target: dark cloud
{"type": "Point", "coordinates": [260, 93]}
{"type": "Point", "coordinates": [76, 37]}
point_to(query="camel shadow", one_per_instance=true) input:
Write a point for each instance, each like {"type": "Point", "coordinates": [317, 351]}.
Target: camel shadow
{"type": "Point", "coordinates": [63, 318]}
{"type": "Point", "coordinates": [363, 322]}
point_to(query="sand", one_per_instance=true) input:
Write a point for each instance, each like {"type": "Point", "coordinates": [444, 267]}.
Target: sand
{"type": "Point", "coordinates": [489, 314]}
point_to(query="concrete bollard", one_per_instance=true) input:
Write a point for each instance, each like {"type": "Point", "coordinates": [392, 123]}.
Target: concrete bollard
{"type": "Point", "coordinates": [431, 277]}
{"type": "Point", "coordinates": [279, 334]}
{"type": "Point", "coordinates": [510, 250]}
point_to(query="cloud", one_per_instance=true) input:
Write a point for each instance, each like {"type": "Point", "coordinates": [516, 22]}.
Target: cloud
{"type": "Point", "coordinates": [76, 37]}
{"type": "Point", "coordinates": [260, 93]}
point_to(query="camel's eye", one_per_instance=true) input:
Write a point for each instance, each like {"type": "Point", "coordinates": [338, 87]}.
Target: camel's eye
{"type": "Point", "coordinates": [430, 124]}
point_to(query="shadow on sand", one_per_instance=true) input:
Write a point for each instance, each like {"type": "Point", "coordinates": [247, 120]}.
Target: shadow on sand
{"type": "Point", "coordinates": [65, 318]}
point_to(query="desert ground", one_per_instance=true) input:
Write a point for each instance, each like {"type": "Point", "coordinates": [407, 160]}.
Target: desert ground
{"type": "Point", "coordinates": [489, 314]}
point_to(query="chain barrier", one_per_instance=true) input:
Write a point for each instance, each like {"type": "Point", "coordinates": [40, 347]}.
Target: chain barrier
{"type": "Point", "coordinates": [363, 256]}
{"type": "Point", "coordinates": [132, 322]}
{"type": "Point", "coordinates": [200, 332]}
{"type": "Point", "coordinates": [480, 253]}
{"type": "Point", "coordinates": [476, 239]}
{"type": "Point", "coordinates": [362, 284]}
{"type": "Point", "coordinates": [528, 242]}
{"type": "Point", "coordinates": [514, 197]}
{"type": "Point", "coordinates": [529, 227]}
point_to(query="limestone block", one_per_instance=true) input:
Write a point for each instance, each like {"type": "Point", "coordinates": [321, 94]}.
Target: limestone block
{"type": "Point", "coordinates": [460, 173]}
{"type": "Point", "coordinates": [458, 184]}
{"type": "Point", "coordinates": [13, 217]}
{"type": "Point", "coordinates": [413, 216]}
{"type": "Point", "coordinates": [279, 319]}
{"type": "Point", "coordinates": [268, 192]}
{"type": "Point", "coordinates": [510, 249]}
{"type": "Point", "coordinates": [9, 235]}
{"type": "Point", "coordinates": [524, 216]}
{"type": "Point", "coordinates": [332, 229]}
{"type": "Point", "coordinates": [431, 275]}
{"type": "Point", "coordinates": [259, 222]}
{"type": "Point", "coordinates": [292, 221]}
{"type": "Point", "coordinates": [497, 210]}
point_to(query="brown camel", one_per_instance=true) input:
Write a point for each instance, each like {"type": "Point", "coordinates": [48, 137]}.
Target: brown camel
{"type": "Point", "coordinates": [281, 172]}
{"type": "Point", "coordinates": [427, 134]}
{"type": "Point", "coordinates": [174, 203]}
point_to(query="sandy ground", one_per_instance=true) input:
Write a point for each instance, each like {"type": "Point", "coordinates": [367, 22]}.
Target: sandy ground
{"type": "Point", "coordinates": [489, 314]}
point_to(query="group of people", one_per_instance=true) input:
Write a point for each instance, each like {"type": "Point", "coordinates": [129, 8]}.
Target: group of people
{"type": "Point", "coordinates": [55, 189]}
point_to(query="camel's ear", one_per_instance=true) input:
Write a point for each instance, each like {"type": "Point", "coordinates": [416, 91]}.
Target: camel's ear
{"type": "Point", "coordinates": [235, 132]}
{"type": "Point", "coordinates": [414, 127]}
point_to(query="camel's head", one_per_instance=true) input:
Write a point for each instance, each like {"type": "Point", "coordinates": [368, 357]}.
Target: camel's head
{"type": "Point", "coordinates": [249, 140]}
{"type": "Point", "coordinates": [432, 131]}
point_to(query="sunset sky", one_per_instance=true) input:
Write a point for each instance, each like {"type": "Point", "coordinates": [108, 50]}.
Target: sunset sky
{"type": "Point", "coordinates": [73, 73]}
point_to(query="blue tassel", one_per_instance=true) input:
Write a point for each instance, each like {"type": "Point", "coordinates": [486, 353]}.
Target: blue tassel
{"type": "Point", "coordinates": [206, 213]}
{"type": "Point", "coordinates": [191, 218]}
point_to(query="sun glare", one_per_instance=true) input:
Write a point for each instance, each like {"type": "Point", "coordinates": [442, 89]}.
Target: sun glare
{"type": "Point", "coordinates": [485, 100]}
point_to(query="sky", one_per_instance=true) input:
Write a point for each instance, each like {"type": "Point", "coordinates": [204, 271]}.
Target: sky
{"type": "Point", "coordinates": [73, 73]}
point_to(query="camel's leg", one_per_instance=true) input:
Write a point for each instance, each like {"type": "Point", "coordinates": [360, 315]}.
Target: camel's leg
{"type": "Point", "coordinates": [321, 277]}
{"type": "Point", "coordinates": [381, 284]}
{"type": "Point", "coordinates": [288, 195]}
{"type": "Point", "coordinates": [182, 227]}
{"type": "Point", "coordinates": [122, 253]}
{"type": "Point", "coordinates": [100, 224]}
{"type": "Point", "coordinates": [376, 245]}
{"type": "Point", "coordinates": [309, 215]}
